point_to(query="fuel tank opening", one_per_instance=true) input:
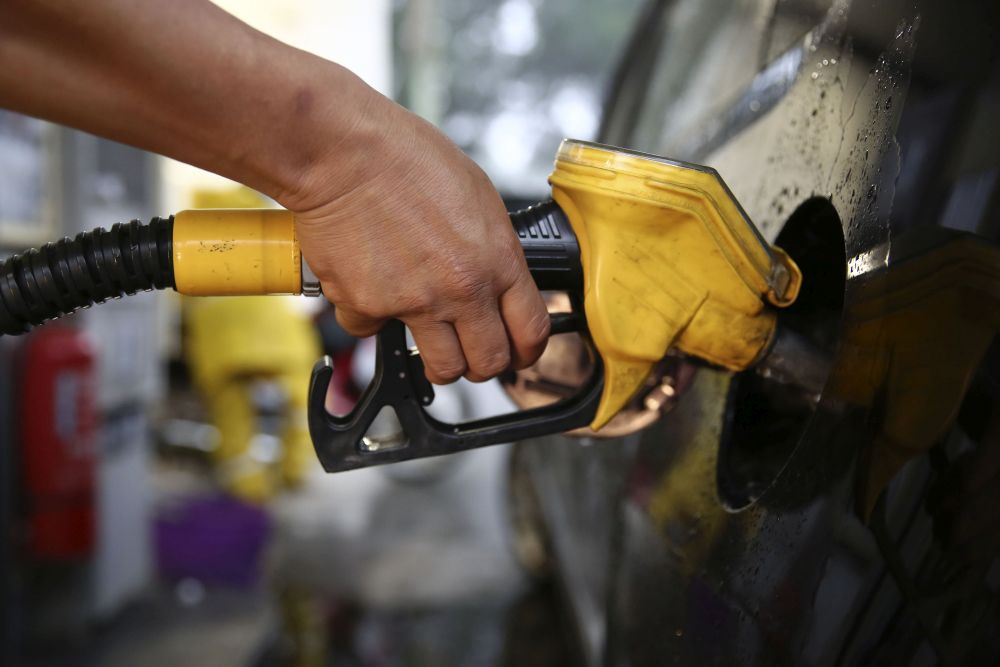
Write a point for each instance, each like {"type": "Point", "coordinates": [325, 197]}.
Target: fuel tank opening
{"type": "Point", "coordinates": [769, 408]}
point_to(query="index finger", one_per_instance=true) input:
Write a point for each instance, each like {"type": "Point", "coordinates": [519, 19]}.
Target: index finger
{"type": "Point", "coordinates": [526, 320]}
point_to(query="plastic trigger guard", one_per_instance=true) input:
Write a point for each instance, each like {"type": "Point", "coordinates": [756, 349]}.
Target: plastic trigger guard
{"type": "Point", "coordinates": [399, 382]}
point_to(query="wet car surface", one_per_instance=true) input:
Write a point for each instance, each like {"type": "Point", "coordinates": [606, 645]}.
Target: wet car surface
{"type": "Point", "coordinates": [757, 523]}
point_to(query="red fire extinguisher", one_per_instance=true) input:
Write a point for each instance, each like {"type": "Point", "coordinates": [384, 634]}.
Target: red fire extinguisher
{"type": "Point", "coordinates": [58, 435]}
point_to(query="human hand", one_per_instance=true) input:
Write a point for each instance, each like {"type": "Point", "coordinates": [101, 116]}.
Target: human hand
{"type": "Point", "coordinates": [401, 224]}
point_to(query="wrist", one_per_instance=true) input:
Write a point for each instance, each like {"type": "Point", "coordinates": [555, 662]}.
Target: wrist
{"type": "Point", "coordinates": [334, 123]}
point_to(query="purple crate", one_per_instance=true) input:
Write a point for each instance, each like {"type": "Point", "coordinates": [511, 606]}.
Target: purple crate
{"type": "Point", "coordinates": [216, 540]}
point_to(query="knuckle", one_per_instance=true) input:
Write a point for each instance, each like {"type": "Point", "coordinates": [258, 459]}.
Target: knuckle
{"type": "Point", "coordinates": [356, 329]}
{"type": "Point", "coordinates": [511, 251]}
{"type": "Point", "coordinates": [333, 292]}
{"type": "Point", "coordinates": [369, 310]}
{"type": "Point", "coordinates": [417, 301]}
{"type": "Point", "coordinates": [492, 364]}
{"type": "Point", "coordinates": [537, 329]}
{"type": "Point", "coordinates": [510, 256]}
{"type": "Point", "coordinates": [446, 372]}
{"type": "Point", "coordinates": [359, 320]}
{"type": "Point", "coordinates": [466, 280]}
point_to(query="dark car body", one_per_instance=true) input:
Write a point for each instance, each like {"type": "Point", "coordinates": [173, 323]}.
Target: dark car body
{"type": "Point", "coordinates": [755, 525]}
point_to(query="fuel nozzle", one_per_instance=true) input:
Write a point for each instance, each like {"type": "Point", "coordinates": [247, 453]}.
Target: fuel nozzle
{"type": "Point", "coordinates": [670, 262]}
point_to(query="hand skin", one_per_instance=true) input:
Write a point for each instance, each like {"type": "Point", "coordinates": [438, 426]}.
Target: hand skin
{"type": "Point", "coordinates": [392, 217]}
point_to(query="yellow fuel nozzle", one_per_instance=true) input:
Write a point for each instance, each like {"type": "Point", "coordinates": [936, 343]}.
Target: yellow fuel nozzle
{"type": "Point", "coordinates": [670, 260]}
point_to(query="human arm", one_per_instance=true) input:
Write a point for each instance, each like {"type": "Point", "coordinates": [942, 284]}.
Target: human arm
{"type": "Point", "coordinates": [392, 217]}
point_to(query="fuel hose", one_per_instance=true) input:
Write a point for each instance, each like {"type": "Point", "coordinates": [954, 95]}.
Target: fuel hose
{"type": "Point", "coordinates": [217, 252]}
{"type": "Point", "coordinates": [59, 278]}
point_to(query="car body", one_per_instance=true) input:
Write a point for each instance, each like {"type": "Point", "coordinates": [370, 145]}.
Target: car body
{"type": "Point", "coordinates": [752, 524]}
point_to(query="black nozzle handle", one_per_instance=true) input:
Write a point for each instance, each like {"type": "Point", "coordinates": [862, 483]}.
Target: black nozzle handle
{"type": "Point", "coordinates": [399, 382]}
{"type": "Point", "coordinates": [550, 246]}
{"type": "Point", "coordinates": [553, 257]}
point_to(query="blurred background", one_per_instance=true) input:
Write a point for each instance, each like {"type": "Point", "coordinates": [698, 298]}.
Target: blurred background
{"type": "Point", "coordinates": [159, 498]}
{"type": "Point", "coordinates": [160, 502]}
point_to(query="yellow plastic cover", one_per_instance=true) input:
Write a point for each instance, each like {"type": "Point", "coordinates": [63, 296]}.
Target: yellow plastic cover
{"type": "Point", "coordinates": [670, 260]}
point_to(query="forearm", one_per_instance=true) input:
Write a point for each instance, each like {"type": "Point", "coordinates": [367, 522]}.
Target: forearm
{"type": "Point", "coordinates": [394, 220]}
{"type": "Point", "coordinates": [184, 79]}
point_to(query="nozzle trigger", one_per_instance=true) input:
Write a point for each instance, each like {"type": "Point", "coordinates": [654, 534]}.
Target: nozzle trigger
{"type": "Point", "coordinates": [342, 442]}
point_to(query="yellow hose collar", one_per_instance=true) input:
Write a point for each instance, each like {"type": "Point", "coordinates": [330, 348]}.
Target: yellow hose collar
{"type": "Point", "coordinates": [236, 252]}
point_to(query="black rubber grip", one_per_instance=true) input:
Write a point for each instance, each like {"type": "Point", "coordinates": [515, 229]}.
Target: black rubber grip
{"type": "Point", "coordinates": [45, 283]}
{"type": "Point", "coordinates": [550, 246]}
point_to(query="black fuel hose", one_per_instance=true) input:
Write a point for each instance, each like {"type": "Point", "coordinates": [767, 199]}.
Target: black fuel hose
{"type": "Point", "coordinates": [59, 278]}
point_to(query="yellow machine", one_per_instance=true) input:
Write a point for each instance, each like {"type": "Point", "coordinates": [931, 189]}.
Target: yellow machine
{"type": "Point", "coordinates": [658, 252]}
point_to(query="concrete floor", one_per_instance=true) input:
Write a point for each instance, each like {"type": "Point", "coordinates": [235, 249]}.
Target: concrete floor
{"type": "Point", "coordinates": [400, 565]}
{"type": "Point", "coordinates": [418, 553]}
{"type": "Point", "coordinates": [224, 629]}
